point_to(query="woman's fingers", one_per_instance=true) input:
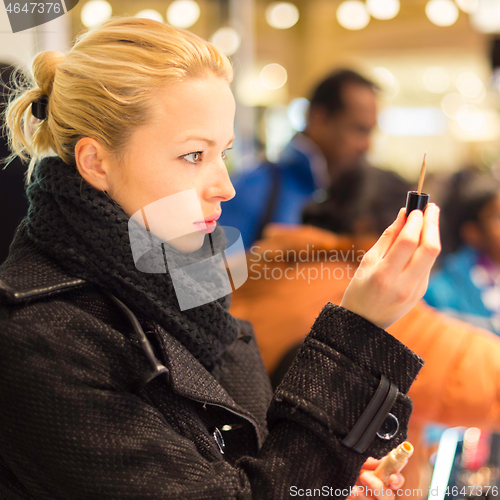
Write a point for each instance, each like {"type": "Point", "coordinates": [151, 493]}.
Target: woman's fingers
{"type": "Point", "coordinates": [396, 481]}
{"type": "Point", "coordinates": [373, 487]}
{"type": "Point", "coordinates": [385, 242]}
{"type": "Point", "coordinates": [371, 463]}
{"type": "Point", "coordinates": [369, 486]}
{"type": "Point", "coordinates": [430, 244]}
{"type": "Point", "coordinates": [387, 285]}
{"type": "Point", "coordinates": [406, 243]}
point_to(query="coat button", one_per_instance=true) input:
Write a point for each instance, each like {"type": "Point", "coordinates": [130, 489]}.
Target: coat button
{"type": "Point", "coordinates": [219, 440]}
{"type": "Point", "coordinates": [389, 428]}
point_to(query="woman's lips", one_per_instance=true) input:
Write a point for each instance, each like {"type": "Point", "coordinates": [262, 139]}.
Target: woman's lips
{"type": "Point", "coordinates": [208, 225]}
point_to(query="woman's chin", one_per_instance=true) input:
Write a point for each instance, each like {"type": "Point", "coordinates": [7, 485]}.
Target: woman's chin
{"type": "Point", "coordinates": [189, 243]}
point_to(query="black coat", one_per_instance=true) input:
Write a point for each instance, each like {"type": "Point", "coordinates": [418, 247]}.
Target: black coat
{"type": "Point", "coordinates": [77, 421]}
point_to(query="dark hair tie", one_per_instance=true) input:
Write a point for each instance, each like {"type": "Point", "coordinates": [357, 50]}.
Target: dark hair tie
{"type": "Point", "coordinates": [39, 107]}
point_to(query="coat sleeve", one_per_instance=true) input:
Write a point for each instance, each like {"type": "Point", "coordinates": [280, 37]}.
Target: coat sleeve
{"type": "Point", "coordinates": [462, 386]}
{"type": "Point", "coordinates": [68, 430]}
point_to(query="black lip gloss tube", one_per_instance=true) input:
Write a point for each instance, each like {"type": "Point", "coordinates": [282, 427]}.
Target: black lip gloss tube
{"type": "Point", "coordinates": [416, 201]}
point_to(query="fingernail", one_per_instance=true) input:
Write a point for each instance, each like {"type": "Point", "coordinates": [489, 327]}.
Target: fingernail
{"type": "Point", "coordinates": [434, 209]}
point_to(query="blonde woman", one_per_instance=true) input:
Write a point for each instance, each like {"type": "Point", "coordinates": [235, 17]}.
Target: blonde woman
{"type": "Point", "coordinates": [109, 388]}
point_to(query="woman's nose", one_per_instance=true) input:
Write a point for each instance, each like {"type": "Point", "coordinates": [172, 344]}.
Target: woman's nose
{"type": "Point", "coordinates": [220, 185]}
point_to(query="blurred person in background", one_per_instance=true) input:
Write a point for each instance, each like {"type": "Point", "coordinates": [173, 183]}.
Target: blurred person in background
{"type": "Point", "coordinates": [13, 202]}
{"type": "Point", "coordinates": [294, 268]}
{"type": "Point", "coordinates": [467, 285]}
{"type": "Point", "coordinates": [341, 116]}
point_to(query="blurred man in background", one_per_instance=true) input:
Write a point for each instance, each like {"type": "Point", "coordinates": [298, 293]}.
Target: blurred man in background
{"type": "Point", "coordinates": [341, 117]}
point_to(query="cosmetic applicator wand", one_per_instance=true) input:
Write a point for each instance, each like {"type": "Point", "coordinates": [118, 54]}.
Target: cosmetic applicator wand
{"type": "Point", "coordinates": [416, 200]}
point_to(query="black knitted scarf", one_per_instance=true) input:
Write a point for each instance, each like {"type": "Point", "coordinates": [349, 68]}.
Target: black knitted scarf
{"type": "Point", "coordinates": [87, 234]}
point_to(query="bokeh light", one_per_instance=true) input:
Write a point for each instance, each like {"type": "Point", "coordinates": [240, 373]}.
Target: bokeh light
{"type": "Point", "coordinates": [278, 130]}
{"type": "Point", "coordinates": [352, 15]}
{"type": "Point", "coordinates": [470, 118]}
{"type": "Point", "coordinates": [297, 113]}
{"type": "Point", "coordinates": [95, 12]}
{"type": "Point", "coordinates": [273, 76]}
{"type": "Point", "coordinates": [469, 84]}
{"type": "Point", "coordinates": [250, 91]}
{"type": "Point", "coordinates": [442, 12]}
{"type": "Point", "coordinates": [412, 122]}
{"type": "Point", "coordinates": [436, 79]}
{"type": "Point", "coordinates": [486, 18]}
{"type": "Point", "coordinates": [472, 124]}
{"type": "Point", "coordinates": [282, 15]}
{"type": "Point", "coordinates": [183, 13]}
{"type": "Point", "coordinates": [468, 6]}
{"type": "Point", "coordinates": [226, 40]}
{"type": "Point", "coordinates": [383, 9]}
{"type": "Point", "coordinates": [386, 81]}
{"type": "Point", "coordinates": [150, 14]}
{"type": "Point", "coordinates": [471, 436]}
{"type": "Point", "coordinates": [451, 103]}
{"type": "Point", "coordinates": [479, 98]}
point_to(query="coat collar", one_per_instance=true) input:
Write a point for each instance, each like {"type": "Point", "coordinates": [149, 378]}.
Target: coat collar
{"type": "Point", "coordinates": [28, 274]}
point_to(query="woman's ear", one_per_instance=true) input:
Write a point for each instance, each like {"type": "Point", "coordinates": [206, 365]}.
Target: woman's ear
{"type": "Point", "coordinates": [471, 235]}
{"type": "Point", "coordinates": [93, 163]}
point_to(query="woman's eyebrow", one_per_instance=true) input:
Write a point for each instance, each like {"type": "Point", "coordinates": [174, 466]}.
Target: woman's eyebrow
{"type": "Point", "coordinates": [210, 142]}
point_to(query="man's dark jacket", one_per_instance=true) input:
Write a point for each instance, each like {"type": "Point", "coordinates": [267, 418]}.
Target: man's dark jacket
{"type": "Point", "coordinates": [84, 415]}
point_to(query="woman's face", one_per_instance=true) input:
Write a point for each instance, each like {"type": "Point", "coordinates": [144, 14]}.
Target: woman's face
{"type": "Point", "coordinates": [177, 161]}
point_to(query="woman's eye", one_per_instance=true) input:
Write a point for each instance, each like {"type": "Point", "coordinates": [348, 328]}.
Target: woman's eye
{"type": "Point", "coordinates": [193, 157]}
{"type": "Point", "coordinates": [223, 155]}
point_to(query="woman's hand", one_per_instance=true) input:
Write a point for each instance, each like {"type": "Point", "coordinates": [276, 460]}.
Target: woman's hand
{"type": "Point", "coordinates": [394, 273]}
{"type": "Point", "coordinates": [370, 486]}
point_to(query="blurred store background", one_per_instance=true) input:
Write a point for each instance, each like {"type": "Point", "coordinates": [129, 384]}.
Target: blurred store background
{"type": "Point", "coordinates": [435, 61]}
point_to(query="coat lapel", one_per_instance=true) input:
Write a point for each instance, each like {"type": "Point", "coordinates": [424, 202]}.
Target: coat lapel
{"type": "Point", "coordinates": [190, 379]}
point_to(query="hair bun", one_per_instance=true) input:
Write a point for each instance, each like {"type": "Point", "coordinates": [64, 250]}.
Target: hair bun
{"type": "Point", "coordinates": [44, 69]}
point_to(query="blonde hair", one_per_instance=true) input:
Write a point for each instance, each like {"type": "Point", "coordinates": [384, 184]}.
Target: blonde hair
{"type": "Point", "coordinates": [104, 87]}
